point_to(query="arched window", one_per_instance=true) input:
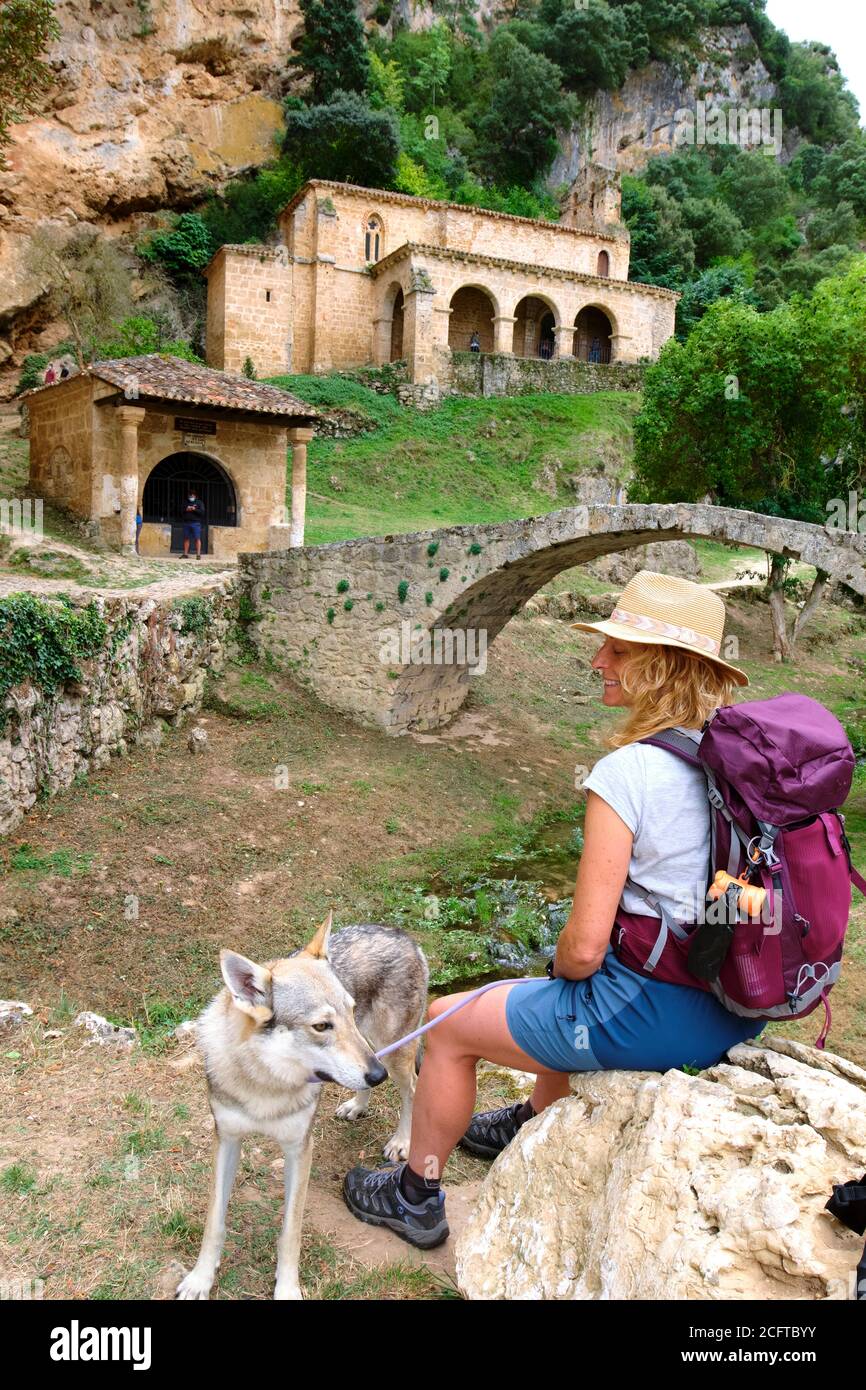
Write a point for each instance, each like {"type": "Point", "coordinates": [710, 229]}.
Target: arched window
{"type": "Point", "coordinates": [603, 267]}
{"type": "Point", "coordinates": [373, 240]}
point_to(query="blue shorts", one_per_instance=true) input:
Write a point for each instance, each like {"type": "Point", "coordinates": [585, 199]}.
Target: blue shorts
{"type": "Point", "coordinates": [192, 530]}
{"type": "Point", "coordinates": [619, 1020]}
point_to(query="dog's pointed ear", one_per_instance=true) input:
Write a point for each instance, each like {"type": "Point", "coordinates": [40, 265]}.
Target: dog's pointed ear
{"type": "Point", "coordinates": [249, 985]}
{"type": "Point", "coordinates": [318, 947]}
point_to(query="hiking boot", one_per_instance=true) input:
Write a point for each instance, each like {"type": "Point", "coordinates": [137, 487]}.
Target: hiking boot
{"type": "Point", "coordinates": [492, 1131]}
{"type": "Point", "coordinates": [374, 1196]}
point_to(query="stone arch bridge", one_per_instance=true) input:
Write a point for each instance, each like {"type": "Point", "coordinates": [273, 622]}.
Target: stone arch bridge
{"type": "Point", "coordinates": [388, 628]}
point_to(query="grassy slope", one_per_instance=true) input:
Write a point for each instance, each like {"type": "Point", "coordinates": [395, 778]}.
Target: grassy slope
{"type": "Point", "coordinates": [467, 461]}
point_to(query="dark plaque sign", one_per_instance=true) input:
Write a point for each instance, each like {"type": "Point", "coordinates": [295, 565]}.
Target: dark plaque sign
{"type": "Point", "coordinates": [187, 425]}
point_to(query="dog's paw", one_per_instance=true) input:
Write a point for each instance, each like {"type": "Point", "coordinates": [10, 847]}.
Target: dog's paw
{"type": "Point", "coordinates": [351, 1109]}
{"type": "Point", "coordinates": [288, 1293]}
{"type": "Point", "coordinates": [196, 1286]}
{"type": "Point", "coordinates": [396, 1149]}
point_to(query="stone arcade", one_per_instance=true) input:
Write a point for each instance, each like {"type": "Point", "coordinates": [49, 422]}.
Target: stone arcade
{"type": "Point", "coordinates": [137, 431]}
{"type": "Point", "coordinates": [362, 275]}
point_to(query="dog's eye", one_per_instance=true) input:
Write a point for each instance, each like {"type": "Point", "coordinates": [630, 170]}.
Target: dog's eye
{"type": "Point", "coordinates": [322, 1027]}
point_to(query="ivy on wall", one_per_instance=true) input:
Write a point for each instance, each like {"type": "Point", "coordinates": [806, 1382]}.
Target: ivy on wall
{"type": "Point", "coordinates": [44, 642]}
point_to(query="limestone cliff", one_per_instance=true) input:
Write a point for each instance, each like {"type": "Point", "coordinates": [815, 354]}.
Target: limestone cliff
{"type": "Point", "coordinates": [155, 102]}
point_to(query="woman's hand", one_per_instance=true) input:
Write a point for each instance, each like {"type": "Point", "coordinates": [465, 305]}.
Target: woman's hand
{"type": "Point", "coordinates": [601, 874]}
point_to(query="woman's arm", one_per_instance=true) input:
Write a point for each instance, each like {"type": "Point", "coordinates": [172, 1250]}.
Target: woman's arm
{"type": "Point", "coordinates": [601, 875]}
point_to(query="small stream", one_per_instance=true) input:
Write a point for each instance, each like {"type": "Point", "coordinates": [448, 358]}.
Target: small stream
{"type": "Point", "coordinates": [515, 910]}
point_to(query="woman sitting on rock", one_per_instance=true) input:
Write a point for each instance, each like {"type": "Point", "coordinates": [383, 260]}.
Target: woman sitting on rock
{"type": "Point", "coordinates": [646, 851]}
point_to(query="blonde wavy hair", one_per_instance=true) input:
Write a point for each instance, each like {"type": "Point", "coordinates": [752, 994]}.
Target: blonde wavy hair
{"type": "Point", "coordinates": [668, 686]}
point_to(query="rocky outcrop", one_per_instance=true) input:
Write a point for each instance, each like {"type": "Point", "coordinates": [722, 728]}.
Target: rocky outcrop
{"type": "Point", "coordinates": [624, 129]}
{"type": "Point", "coordinates": [649, 1186]}
{"type": "Point", "coordinates": [155, 102]}
{"type": "Point", "coordinates": [151, 673]}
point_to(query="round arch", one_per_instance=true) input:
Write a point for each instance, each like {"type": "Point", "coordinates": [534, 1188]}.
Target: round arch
{"type": "Point", "coordinates": [473, 309]}
{"type": "Point", "coordinates": [594, 330]}
{"type": "Point", "coordinates": [536, 320]}
{"type": "Point", "coordinates": [166, 486]}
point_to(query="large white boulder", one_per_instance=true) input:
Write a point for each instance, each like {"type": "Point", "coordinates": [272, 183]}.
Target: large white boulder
{"type": "Point", "coordinates": [650, 1186]}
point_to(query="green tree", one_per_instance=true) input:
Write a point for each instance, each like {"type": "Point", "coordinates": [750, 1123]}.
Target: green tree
{"type": "Point", "coordinates": [143, 333]}
{"type": "Point", "coordinates": [755, 186]}
{"type": "Point", "coordinates": [760, 411]}
{"type": "Point", "coordinates": [517, 135]}
{"type": "Point", "coordinates": [814, 97]}
{"type": "Point", "coordinates": [344, 140]}
{"type": "Point", "coordinates": [662, 247]}
{"type": "Point", "coordinates": [591, 45]}
{"type": "Point", "coordinates": [719, 282]}
{"type": "Point", "coordinates": [27, 27]}
{"type": "Point", "coordinates": [716, 229]}
{"type": "Point", "coordinates": [183, 251]}
{"type": "Point", "coordinates": [842, 176]}
{"type": "Point", "coordinates": [433, 69]}
{"type": "Point", "coordinates": [332, 51]}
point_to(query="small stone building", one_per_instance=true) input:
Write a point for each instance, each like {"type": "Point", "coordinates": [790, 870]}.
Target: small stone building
{"type": "Point", "coordinates": [137, 431]}
{"type": "Point", "coordinates": [362, 275]}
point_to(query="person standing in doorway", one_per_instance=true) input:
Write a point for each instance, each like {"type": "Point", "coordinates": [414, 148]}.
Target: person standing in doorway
{"type": "Point", "coordinates": [139, 522]}
{"type": "Point", "coordinates": [193, 517]}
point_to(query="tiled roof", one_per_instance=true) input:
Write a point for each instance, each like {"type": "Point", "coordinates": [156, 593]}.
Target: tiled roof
{"type": "Point", "coordinates": [543, 272]}
{"type": "Point", "coordinates": [173, 379]}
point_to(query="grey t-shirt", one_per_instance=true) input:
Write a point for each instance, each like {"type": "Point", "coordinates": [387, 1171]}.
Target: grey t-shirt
{"type": "Point", "coordinates": [663, 801]}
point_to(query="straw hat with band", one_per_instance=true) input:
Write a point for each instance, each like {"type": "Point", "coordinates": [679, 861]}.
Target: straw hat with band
{"type": "Point", "coordinates": [664, 611]}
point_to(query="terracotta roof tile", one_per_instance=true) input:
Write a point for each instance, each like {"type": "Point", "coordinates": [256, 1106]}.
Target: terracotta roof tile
{"type": "Point", "coordinates": [173, 379]}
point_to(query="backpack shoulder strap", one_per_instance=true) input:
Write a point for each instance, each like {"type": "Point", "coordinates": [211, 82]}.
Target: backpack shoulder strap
{"type": "Point", "coordinates": [686, 746]}
{"type": "Point", "coordinates": [858, 880]}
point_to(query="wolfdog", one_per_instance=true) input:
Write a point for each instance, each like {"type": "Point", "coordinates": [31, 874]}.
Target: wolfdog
{"type": "Point", "coordinates": [274, 1035]}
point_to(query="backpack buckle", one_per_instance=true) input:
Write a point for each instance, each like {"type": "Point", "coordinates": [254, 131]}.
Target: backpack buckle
{"type": "Point", "coordinates": [715, 798]}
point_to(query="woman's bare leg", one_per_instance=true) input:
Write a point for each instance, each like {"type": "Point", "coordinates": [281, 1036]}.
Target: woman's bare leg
{"type": "Point", "coordinates": [445, 1096]}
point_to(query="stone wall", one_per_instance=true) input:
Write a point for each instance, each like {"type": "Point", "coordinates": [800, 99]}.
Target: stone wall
{"type": "Point", "coordinates": [249, 310]}
{"type": "Point", "coordinates": [498, 374]}
{"type": "Point", "coordinates": [151, 673]}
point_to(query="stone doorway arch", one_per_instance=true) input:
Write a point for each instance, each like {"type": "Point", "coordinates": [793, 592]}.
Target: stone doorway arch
{"type": "Point", "coordinates": [472, 312]}
{"type": "Point", "coordinates": [166, 487]}
{"type": "Point", "coordinates": [593, 333]}
{"type": "Point", "coordinates": [534, 328]}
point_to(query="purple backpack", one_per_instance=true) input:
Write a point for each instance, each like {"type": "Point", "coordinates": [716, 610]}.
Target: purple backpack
{"type": "Point", "coordinates": [769, 942]}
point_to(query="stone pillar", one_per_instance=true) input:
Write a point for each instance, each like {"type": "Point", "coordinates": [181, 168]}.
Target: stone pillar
{"type": "Point", "coordinates": [418, 331]}
{"type": "Point", "coordinates": [503, 333]}
{"type": "Point", "coordinates": [130, 417]}
{"type": "Point", "coordinates": [299, 438]}
{"type": "Point", "coordinates": [620, 348]}
{"type": "Point", "coordinates": [563, 341]}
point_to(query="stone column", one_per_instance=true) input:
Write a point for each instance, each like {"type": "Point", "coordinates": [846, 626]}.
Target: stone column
{"type": "Point", "coordinates": [620, 348]}
{"type": "Point", "coordinates": [503, 333]}
{"type": "Point", "coordinates": [299, 438]}
{"type": "Point", "coordinates": [418, 332]}
{"type": "Point", "coordinates": [130, 417]}
{"type": "Point", "coordinates": [563, 341]}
